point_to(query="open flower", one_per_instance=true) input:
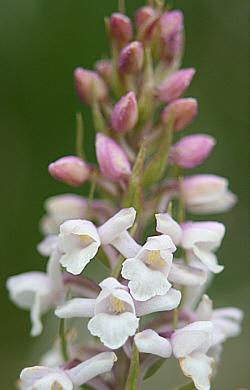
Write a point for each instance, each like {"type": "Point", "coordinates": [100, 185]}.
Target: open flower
{"type": "Point", "coordinates": [113, 313]}
{"type": "Point", "coordinates": [41, 378]}
{"type": "Point", "coordinates": [79, 240]}
{"type": "Point", "coordinates": [147, 272]}
{"type": "Point", "coordinates": [188, 344]}
{"type": "Point", "coordinates": [38, 291]}
{"type": "Point", "coordinates": [199, 238]}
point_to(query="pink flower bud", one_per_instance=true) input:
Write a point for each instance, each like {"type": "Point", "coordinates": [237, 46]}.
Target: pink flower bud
{"type": "Point", "coordinates": [207, 194]}
{"type": "Point", "coordinates": [131, 58]}
{"type": "Point", "coordinates": [121, 28]}
{"type": "Point", "coordinates": [84, 80]}
{"type": "Point", "coordinates": [125, 114]}
{"type": "Point", "coordinates": [184, 112]}
{"type": "Point", "coordinates": [146, 21]}
{"type": "Point", "coordinates": [174, 85]}
{"type": "Point", "coordinates": [71, 170]}
{"type": "Point", "coordinates": [104, 68]}
{"type": "Point", "coordinates": [172, 34]}
{"type": "Point", "coordinates": [192, 150]}
{"type": "Point", "coordinates": [142, 15]}
{"type": "Point", "coordinates": [112, 160]}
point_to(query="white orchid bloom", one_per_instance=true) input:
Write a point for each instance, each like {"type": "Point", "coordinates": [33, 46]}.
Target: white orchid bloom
{"type": "Point", "coordinates": [188, 344]}
{"type": "Point", "coordinates": [44, 378]}
{"type": "Point", "coordinates": [113, 313]}
{"type": "Point", "coordinates": [79, 240]}
{"type": "Point", "coordinates": [199, 238]}
{"type": "Point", "coordinates": [38, 291]}
{"type": "Point", "coordinates": [148, 271]}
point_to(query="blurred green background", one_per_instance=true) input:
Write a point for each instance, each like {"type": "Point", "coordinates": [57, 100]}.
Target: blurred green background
{"type": "Point", "coordinates": [42, 42]}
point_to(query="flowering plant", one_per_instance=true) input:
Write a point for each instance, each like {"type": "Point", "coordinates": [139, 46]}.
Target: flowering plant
{"type": "Point", "coordinates": [152, 305]}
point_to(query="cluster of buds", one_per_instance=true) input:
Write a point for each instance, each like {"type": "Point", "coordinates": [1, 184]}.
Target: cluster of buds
{"type": "Point", "coordinates": [138, 114]}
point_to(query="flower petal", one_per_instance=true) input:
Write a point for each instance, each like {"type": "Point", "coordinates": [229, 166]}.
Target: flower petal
{"type": "Point", "coordinates": [77, 258]}
{"type": "Point", "coordinates": [149, 341]}
{"type": "Point", "coordinates": [166, 302]}
{"type": "Point", "coordinates": [78, 307]}
{"type": "Point", "coordinates": [198, 366]}
{"type": "Point", "coordinates": [83, 372]}
{"type": "Point", "coordinates": [113, 330]}
{"type": "Point", "coordinates": [167, 225]}
{"type": "Point", "coordinates": [121, 221]}
{"type": "Point", "coordinates": [209, 259]}
{"type": "Point", "coordinates": [193, 336]}
{"type": "Point", "coordinates": [126, 245]}
{"type": "Point", "coordinates": [144, 283]}
{"type": "Point", "coordinates": [187, 275]}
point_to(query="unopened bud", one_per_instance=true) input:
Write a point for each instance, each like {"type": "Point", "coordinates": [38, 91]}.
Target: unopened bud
{"type": "Point", "coordinates": [70, 170]}
{"type": "Point", "coordinates": [174, 85]}
{"type": "Point", "coordinates": [207, 194]}
{"type": "Point", "coordinates": [125, 114]}
{"type": "Point", "coordinates": [112, 160]}
{"type": "Point", "coordinates": [192, 150]}
{"type": "Point", "coordinates": [104, 68]}
{"type": "Point", "coordinates": [142, 15]}
{"type": "Point", "coordinates": [85, 82]}
{"type": "Point", "coordinates": [172, 35]}
{"type": "Point", "coordinates": [185, 111]}
{"type": "Point", "coordinates": [146, 21]}
{"type": "Point", "coordinates": [131, 58]}
{"type": "Point", "coordinates": [121, 28]}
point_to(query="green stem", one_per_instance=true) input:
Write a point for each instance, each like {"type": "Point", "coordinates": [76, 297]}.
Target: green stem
{"type": "Point", "coordinates": [91, 194]}
{"type": "Point", "coordinates": [133, 375]}
{"type": "Point", "coordinates": [175, 319]}
{"type": "Point", "coordinates": [79, 136]}
{"type": "Point", "coordinates": [181, 201]}
{"type": "Point", "coordinates": [63, 340]}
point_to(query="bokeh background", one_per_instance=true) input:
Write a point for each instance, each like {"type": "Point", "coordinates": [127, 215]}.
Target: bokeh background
{"type": "Point", "coordinates": [41, 42]}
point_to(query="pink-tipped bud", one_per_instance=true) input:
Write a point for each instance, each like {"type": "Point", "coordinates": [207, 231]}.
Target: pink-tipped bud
{"type": "Point", "coordinates": [125, 114]}
{"type": "Point", "coordinates": [173, 86]}
{"type": "Point", "coordinates": [192, 150]}
{"type": "Point", "coordinates": [111, 158]}
{"type": "Point", "coordinates": [70, 170]}
{"type": "Point", "coordinates": [131, 58]}
{"type": "Point", "coordinates": [121, 28]}
{"type": "Point", "coordinates": [85, 82]}
{"type": "Point", "coordinates": [104, 68]}
{"type": "Point", "coordinates": [185, 110]}
{"type": "Point", "coordinates": [142, 15]}
{"type": "Point", "coordinates": [146, 21]}
{"type": "Point", "coordinates": [172, 34]}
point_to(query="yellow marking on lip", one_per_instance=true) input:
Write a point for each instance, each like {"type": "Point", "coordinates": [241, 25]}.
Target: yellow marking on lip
{"type": "Point", "coordinates": [116, 304]}
{"type": "Point", "coordinates": [85, 238]}
{"type": "Point", "coordinates": [155, 259]}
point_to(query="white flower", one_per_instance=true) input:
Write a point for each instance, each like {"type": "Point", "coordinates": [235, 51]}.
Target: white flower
{"type": "Point", "coordinates": [188, 344]}
{"type": "Point", "coordinates": [113, 313]}
{"type": "Point", "coordinates": [44, 378]}
{"type": "Point", "coordinates": [38, 291]}
{"type": "Point", "coordinates": [79, 241]}
{"type": "Point", "coordinates": [199, 238]}
{"type": "Point", "coordinates": [147, 272]}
